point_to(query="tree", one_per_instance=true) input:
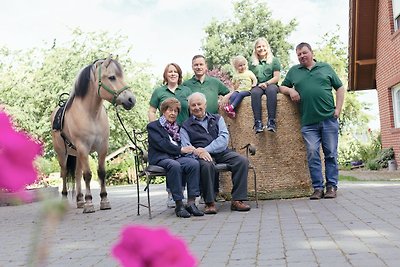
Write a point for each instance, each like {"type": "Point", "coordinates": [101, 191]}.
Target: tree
{"type": "Point", "coordinates": [236, 36]}
{"type": "Point", "coordinates": [32, 80]}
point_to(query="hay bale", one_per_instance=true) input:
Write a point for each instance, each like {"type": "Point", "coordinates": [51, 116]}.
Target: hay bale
{"type": "Point", "coordinates": [280, 160]}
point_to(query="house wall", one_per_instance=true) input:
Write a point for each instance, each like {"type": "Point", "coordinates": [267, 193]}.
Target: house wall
{"type": "Point", "coordinates": [387, 75]}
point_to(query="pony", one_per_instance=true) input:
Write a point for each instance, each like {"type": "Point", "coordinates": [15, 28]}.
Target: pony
{"type": "Point", "coordinates": [83, 127]}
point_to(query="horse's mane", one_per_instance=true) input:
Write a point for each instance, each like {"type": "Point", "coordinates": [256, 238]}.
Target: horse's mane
{"type": "Point", "coordinates": [82, 82]}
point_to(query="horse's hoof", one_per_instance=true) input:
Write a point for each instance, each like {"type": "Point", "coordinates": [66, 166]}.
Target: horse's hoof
{"type": "Point", "coordinates": [80, 204]}
{"type": "Point", "coordinates": [105, 205]}
{"type": "Point", "coordinates": [88, 208]}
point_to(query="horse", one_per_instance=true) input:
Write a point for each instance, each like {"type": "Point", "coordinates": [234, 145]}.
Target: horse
{"type": "Point", "coordinates": [84, 127]}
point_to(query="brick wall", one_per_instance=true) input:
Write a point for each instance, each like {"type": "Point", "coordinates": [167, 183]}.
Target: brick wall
{"type": "Point", "coordinates": [387, 74]}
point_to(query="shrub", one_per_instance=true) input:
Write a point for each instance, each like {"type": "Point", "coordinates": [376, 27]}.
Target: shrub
{"type": "Point", "coordinates": [353, 150]}
{"type": "Point", "coordinates": [118, 170]}
{"type": "Point", "coordinates": [372, 165]}
{"type": "Point", "coordinates": [222, 76]}
{"type": "Point", "coordinates": [381, 159]}
{"type": "Point", "coordinates": [47, 166]}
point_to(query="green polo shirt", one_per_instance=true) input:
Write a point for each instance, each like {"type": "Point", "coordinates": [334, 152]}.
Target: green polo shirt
{"type": "Point", "coordinates": [315, 89]}
{"type": "Point", "coordinates": [181, 93]}
{"type": "Point", "coordinates": [211, 88]}
{"type": "Point", "coordinates": [265, 71]}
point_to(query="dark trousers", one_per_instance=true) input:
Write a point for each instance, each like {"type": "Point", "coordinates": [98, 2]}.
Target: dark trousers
{"type": "Point", "coordinates": [256, 93]}
{"type": "Point", "coordinates": [237, 97]}
{"type": "Point", "coordinates": [239, 166]}
{"type": "Point", "coordinates": [180, 171]}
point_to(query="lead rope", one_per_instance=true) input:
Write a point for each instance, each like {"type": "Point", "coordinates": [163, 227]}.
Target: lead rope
{"type": "Point", "coordinates": [126, 131]}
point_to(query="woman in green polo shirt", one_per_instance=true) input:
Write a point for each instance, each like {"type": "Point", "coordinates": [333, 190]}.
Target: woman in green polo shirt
{"type": "Point", "coordinates": [267, 69]}
{"type": "Point", "coordinates": [172, 87]}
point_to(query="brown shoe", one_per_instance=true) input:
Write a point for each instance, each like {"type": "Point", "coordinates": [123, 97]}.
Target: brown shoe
{"type": "Point", "coordinates": [330, 192]}
{"type": "Point", "coordinates": [318, 194]}
{"type": "Point", "coordinates": [239, 206]}
{"type": "Point", "coordinates": [210, 208]}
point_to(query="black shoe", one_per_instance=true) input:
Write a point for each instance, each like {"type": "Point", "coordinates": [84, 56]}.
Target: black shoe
{"type": "Point", "coordinates": [192, 209]}
{"type": "Point", "coordinates": [318, 194]}
{"type": "Point", "coordinates": [258, 126]}
{"type": "Point", "coordinates": [180, 211]}
{"type": "Point", "coordinates": [271, 125]}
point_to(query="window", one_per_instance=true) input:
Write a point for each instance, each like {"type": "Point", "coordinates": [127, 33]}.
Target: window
{"type": "Point", "coordinates": [396, 105]}
{"type": "Point", "coordinates": [396, 14]}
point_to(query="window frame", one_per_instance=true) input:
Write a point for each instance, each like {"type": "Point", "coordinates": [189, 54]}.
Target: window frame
{"type": "Point", "coordinates": [396, 105]}
{"type": "Point", "coordinates": [396, 14]}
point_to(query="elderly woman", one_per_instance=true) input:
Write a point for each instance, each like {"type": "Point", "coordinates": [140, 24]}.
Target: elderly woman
{"type": "Point", "coordinates": [165, 150]}
{"type": "Point", "coordinates": [172, 87]}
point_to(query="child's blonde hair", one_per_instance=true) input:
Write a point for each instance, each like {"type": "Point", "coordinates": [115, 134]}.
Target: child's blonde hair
{"type": "Point", "coordinates": [254, 57]}
{"type": "Point", "coordinates": [236, 60]}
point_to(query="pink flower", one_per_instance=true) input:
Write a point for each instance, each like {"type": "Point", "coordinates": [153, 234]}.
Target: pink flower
{"type": "Point", "coordinates": [141, 246]}
{"type": "Point", "coordinates": [17, 153]}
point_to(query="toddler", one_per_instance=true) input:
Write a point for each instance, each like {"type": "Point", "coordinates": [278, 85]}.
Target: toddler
{"type": "Point", "coordinates": [243, 80]}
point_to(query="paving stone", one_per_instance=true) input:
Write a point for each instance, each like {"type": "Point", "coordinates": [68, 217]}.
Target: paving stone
{"type": "Point", "coordinates": [361, 227]}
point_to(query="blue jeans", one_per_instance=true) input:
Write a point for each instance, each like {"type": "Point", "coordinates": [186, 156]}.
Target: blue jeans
{"type": "Point", "coordinates": [326, 133]}
{"type": "Point", "coordinates": [180, 171]}
{"type": "Point", "coordinates": [237, 97]}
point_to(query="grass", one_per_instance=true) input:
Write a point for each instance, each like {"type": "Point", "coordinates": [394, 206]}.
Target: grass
{"type": "Point", "coordinates": [348, 178]}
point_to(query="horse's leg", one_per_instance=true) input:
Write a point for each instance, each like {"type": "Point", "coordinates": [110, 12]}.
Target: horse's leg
{"type": "Point", "coordinates": [87, 177]}
{"type": "Point", "coordinates": [63, 173]}
{"type": "Point", "coordinates": [101, 172]}
{"type": "Point", "coordinates": [80, 202]}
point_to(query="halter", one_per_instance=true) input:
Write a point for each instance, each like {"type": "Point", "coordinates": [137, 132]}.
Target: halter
{"type": "Point", "coordinates": [115, 94]}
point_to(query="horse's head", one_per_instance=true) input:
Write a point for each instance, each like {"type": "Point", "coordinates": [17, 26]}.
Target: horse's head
{"type": "Point", "coordinates": [111, 85]}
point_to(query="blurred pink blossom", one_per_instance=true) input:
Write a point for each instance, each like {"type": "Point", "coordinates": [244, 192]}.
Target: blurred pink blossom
{"type": "Point", "coordinates": [17, 153]}
{"type": "Point", "coordinates": [141, 246]}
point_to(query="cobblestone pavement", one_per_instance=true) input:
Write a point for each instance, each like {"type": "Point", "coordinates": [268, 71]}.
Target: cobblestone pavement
{"type": "Point", "coordinates": [361, 227]}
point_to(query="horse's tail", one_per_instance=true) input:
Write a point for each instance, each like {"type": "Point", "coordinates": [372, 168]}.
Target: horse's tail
{"type": "Point", "coordinates": [71, 166]}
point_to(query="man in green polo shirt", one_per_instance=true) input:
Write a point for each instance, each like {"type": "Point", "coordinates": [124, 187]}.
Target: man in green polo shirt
{"type": "Point", "coordinates": [211, 87]}
{"type": "Point", "coordinates": [310, 83]}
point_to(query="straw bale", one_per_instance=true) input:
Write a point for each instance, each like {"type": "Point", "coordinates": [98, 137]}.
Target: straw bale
{"type": "Point", "coordinates": [280, 160]}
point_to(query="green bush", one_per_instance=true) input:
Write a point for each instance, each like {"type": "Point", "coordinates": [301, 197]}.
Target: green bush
{"type": "Point", "coordinates": [159, 180]}
{"type": "Point", "coordinates": [372, 165]}
{"type": "Point", "coordinates": [370, 150]}
{"type": "Point", "coordinates": [354, 150]}
{"type": "Point", "coordinates": [381, 159]}
{"type": "Point", "coordinates": [117, 171]}
{"type": "Point", "coordinates": [47, 166]}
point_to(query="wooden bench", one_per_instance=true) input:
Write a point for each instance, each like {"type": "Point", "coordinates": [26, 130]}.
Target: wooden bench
{"type": "Point", "coordinates": [143, 169]}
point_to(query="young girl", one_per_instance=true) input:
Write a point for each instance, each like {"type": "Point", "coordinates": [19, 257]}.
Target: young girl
{"type": "Point", "coordinates": [243, 80]}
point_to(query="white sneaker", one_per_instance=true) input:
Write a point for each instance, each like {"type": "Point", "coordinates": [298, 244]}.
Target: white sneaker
{"type": "Point", "coordinates": [170, 201]}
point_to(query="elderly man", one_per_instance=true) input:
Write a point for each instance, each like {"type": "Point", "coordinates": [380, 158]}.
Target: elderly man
{"type": "Point", "coordinates": [209, 135]}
